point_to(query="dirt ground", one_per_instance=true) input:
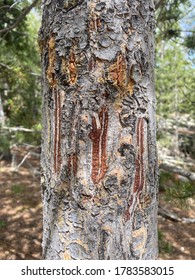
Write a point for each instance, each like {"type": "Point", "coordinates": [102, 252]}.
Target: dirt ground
{"type": "Point", "coordinates": [21, 220]}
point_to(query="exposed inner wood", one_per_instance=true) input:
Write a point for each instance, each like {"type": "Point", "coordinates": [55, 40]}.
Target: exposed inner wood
{"type": "Point", "coordinates": [139, 173]}
{"type": "Point", "coordinates": [98, 135]}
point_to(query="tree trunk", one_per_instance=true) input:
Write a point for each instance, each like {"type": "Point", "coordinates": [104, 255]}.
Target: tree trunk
{"type": "Point", "coordinates": [99, 159]}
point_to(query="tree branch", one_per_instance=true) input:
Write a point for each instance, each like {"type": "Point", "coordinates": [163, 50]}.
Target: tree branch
{"type": "Point", "coordinates": [174, 217]}
{"type": "Point", "coordinates": [21, 17]}
{"type": "Point", "coordinates": [5, 66]}
{"type": "Point", "coordinates": [177, 170]}
{"type": "Point", "coordinates": [22, 129]}
{"type": "Point", "coordinates": [159, 4]}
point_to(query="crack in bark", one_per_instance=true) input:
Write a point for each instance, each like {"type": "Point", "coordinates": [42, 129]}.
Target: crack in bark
{"type": "Point", "coordinates": [72, 165]}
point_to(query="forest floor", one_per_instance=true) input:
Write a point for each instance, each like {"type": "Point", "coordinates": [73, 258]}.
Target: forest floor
{"type": "Point", "coordinates": [21, 220]}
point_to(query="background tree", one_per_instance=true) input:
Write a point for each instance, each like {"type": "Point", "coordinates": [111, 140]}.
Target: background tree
{"type": "Point", "coordinates": [19, 71]}
{"type": "Point", "coordinates": [175, 86]}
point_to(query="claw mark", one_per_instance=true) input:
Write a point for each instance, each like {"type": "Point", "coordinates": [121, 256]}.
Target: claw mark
{"type": "Point", "coordinates": [98, 135]}
{"type": "Point", "coordinates": [139, 180]}
{"type": "Point", "coordinates": [139, 173]}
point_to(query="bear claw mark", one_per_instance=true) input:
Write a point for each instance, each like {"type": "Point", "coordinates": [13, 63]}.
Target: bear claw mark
{"type": "Point", "coordinates": [98, 135]}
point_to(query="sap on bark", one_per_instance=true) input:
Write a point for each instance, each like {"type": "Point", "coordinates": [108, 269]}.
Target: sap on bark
{"type": "Point", "coordinates": [94, 23]}
{"type": "Point", "coordinates": [98, 135]}
{"type": "Point", "coordinates": [121, 76]}
{"type": "Point", "coordinates": [68, 69]}
{"type": "Point", "coordinates": [72, 67]}
{"type": "Point", "coordinates": [50, 72]}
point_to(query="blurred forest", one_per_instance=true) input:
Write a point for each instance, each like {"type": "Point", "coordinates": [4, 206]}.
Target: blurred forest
{"type": "Point", "coordinates": [20, 128]}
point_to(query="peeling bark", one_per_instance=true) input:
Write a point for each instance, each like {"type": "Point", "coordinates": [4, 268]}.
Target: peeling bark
{"type": "Point", "coordinates": [99, 162]}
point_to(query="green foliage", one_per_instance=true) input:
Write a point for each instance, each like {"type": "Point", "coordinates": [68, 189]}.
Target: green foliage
{"type": "Point", "coordinates": [190, 42]}
{"type": "Point", "coordinates": [18, 189]}
{"type": "Point", "coordinates": [20, 71]}
{"type": "Point", "coordinates": [4, 145]}
{"type": "Point", "coordinates": [3, 224]}
{"type": "Point", "coordinates": [164, 139]}
{"type": "Point", "coordinates": [179, 193]}
{"type": "Point", "coordinates": [168, 16]}
{"type": "Point", "coordinates": [166, 179]}
{"type": "Point", "coordinates": [176, 190]}
{"type": "Point", "coordinates": [164, 246]}
{"type": "Point", "coordinates": [33, 138]}
{"type": "Point", "coordinates": [175, 81]}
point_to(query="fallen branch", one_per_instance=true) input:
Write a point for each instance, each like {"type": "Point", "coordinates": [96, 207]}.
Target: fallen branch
{"type": "Point", "coordinates": [174, 217]}
{"type": "Point", "coordinates": [16, 129]}
{"type": "Point", "coordinates": [23, 160]}
{"type": "Point", "coordinates": [177, 170]}
{"type": "Point", "coordinates": [30, 152]}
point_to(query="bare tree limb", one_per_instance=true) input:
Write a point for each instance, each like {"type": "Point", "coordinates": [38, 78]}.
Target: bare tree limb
{"type": "Point", "coordinates": [15, 129]}
{"type": "Point", "coordinates": [5, 66]}
{"type": "Point", "coordinates": [22, 161]}
{"type": "Point", "coordinates": [21, 17]}
{"type": "Point", "coordinates": [159, 3]}
{"type": "Point", "coordinates": [177, 170]}
{"type": "Point", "coordinates": [174, 217]}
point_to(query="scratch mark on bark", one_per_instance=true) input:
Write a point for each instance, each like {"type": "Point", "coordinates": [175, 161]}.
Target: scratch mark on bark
{"type": "Point", "coordinates": [139, 173]}
{"type": "Point", "coordinates": [139, 180]}
{"type": "Point", "coordinates": [98, 135]}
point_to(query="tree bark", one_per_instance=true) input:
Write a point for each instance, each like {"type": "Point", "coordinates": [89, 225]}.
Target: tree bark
{"type": "Point", "coordinates": [99, 160]}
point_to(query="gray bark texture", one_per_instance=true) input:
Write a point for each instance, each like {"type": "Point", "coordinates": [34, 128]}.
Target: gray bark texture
{"type": "Point", "coordinates": [99, 160]}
